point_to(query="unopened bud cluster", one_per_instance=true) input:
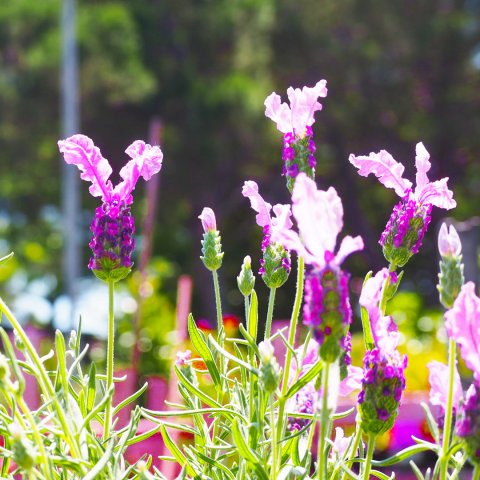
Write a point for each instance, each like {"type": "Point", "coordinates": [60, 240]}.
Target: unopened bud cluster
{"type": "Point", "coordinates": [212, 255]}
{"type": "Point", "coordinates": [269, 375]}
{"type": "Point", "coordinates": [275, 266]}
{"type": "Point", "coordinates": [246, 279]}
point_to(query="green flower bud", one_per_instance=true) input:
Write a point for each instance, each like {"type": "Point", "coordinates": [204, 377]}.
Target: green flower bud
{"type": "Point", "coordinates": [23, 453]}
{"type": "Point", "coordinates": [269, 376]}
{"type": "Point", "coordinates": [212, 250]}
{"type": "Point", "coordinates": [4, 370]}
{"type": "Point", "coordinates": [450, 280]}
{"type": "Point", "coordinates": [246, 279]}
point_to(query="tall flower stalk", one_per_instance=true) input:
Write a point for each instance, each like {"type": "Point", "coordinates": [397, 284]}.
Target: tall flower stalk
{"type": "Point", "coordinates": [113, 226]}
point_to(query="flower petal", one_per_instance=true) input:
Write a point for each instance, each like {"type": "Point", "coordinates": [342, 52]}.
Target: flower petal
{"type": "Point", "coordinates": [438, 379]}
{"type": "Point", "coordinates": [304, 104]}
{"type": "Point", "coordinates": [278, 112]}
{"type": "Point", "coordinates": [422, 164]}
{"type": "Point", "coordinates": [319, 215]}
{"type": "Point", "coordinates": [250, 190]}
{"type": "Point", "coordinates": [208, 219]}
{"type": "Point", "coordinates": [352, 382]}
{"type": "Point", "coordinates": [80, 150]}
{"type": "Point", "coordinates": [449, 243]}
{"type": "Point", "coordinates": [347, 247]}
{"type": "Point", "coordinates": [437, 193]}
{"type": "Point", "coordinates": [388, 171]}
{"type": "Point", "coordinates": [145, 162]}
{"type": "Point", "coordinates": [462, 322]}
{"type": "Point", "coordinates": [282, 219]}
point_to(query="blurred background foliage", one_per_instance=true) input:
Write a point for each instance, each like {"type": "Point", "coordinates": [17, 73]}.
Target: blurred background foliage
{"type": "Point", "coordinates": [398, 72]}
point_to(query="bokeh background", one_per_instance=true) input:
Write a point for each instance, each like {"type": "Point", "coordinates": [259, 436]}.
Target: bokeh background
{"type": "Point", "coordinates": [398, 72]}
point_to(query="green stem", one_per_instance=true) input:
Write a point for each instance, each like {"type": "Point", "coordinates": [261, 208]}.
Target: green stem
{"type": "Point", "coordinates": [368, 460]}
{"type": "Point", "coordinates": [46, 462]}
{"type": "Point", "coordinates": [476, 472]}
{"type": "Point", "coordinates": [449, 410]}
{"type": "Point", "coordinates": [273, 434]}
{"type": "Point", "coordinates": [324, 425]}
{"type": "Point", "coordinates": [354, 448]}
{"type": "Point", "coordinates": [110, 360]}
{"type": "Point", "coordinates": [43, 379]}
{"type": "Point", "coordinates": [271, 303]}
{"type": "Point", "coordinates": [291, 341]}
{"type": "Point", "coordinates": [219, 309]}
{"type": "Point", "coordinates": [251, 360]}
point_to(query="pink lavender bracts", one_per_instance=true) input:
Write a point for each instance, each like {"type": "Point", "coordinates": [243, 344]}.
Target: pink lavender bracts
{"type": "Point", "coordinates": [403, 235]}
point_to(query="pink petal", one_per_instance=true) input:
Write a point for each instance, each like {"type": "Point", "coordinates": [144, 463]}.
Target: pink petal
{"type": "Point", "coordinates": [304, 104]}
{"type": "Point", "coordinates": [462, 322]}
{"type": "Point", "coordinates": [449, 243]}
{"type": "Point", "coordinates": [282, 220]}
{"type": "Point", "coordinates": [250, 190]}
{"type": "Point", "coordinates": [352, 382]}
{"type": "Point", "coordinates": [319, 216]}
{"type": "Point", "coordinates": [291, 241]}
{"type": "Point", "coordinates": [347, 247]}
{"type": "Point", "coordinates": [278, 112]}
{"type": "Point", "coordinates": [80, 150]}
{"type": "Point", "coordinates": [438, 379]}
{"type": "Point", "coordinates": [146, 161]}
{"type": "Point", "coordinates": [423, 165]}
{"type": "Point", "coordinates": [436, 193]}
{"type": "Point", "coordinates": [388, 171]}
{"type": "Point", "coordinates": [208, 220]}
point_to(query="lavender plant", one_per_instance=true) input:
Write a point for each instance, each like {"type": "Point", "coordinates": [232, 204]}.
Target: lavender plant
{"type": "Point", "coordinates": [251, 413]}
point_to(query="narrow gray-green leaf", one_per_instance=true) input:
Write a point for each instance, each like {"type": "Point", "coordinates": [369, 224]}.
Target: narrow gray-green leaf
{"type": "Point", "coordinates": [201, 347]}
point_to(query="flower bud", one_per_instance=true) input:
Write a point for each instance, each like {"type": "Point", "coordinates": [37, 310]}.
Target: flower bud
{"type": "Point", "coordinates": [449, 244]}
{"type": "Point", "coordinates": [211, 243]}
{"type": "Point", "coordinates": [4, 370]}
{"type": "Point", "coordinates": [275, 265]}
{"type": "Point", "coordinates": [468, 424]}
{"type": "Point", "coordinates": [112, 242]}
{"type": "Point", "coordinates": [269, 375]}
{"type": "Point", "coordinates": [246, 279]}
{"type": "Point", "coordinates": [23, 453]}
{"type": "Point", "coordinates": [382, 387]}
{"type": "Point", "coordinates": [327, 309]}
{"type": "Point", "coordinates": [403, 235]}
{"type": "Point", "coordinates": [450, 278]}
{"type": "Point", "coordinates": [183, 362]}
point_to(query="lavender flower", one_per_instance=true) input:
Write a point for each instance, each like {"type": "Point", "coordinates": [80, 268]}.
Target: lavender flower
{"type": "Point", "coordinates": [275, 265]}
{"type": "Point", "coordinates": [403, 235]}
{"type": "Point", "coordinates": [113, 226]}
{"type": "Point", "coordinates": [319, 215]}
{"type": "Point", "coordinates": [212, 256]}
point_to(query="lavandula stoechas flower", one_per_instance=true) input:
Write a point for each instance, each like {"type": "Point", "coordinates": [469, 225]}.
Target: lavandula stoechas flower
{"type": "Point", "coordinates": [384, 368]}
{"type": "Point", "coordinates": [275, 265]}
{"type": "Point", "coordinates": [113, 226]}
{"type": "Point", "coordinates": [319, 216]}
{"type": "Point", "coordinates": [410, 218]}
{"type": "Point", "coordinates": [295, 122]}
{"type": "Point", "coordinates": [450, 278]}
{"type": "Point", "coordinates": [212, 242]}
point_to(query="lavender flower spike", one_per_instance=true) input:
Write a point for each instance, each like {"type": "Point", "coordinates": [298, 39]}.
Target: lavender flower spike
{"type": "Point", "coordinates": [113, 226]}
{"type": "Point", "coordinates": [403, 235]}
{"type": "Point", "coordinates": [319, 216]}
{"type": "Point", "coordinates": [468, 423]}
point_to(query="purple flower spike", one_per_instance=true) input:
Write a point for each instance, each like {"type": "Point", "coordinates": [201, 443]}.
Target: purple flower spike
{"type": "Point", "coordinates": [408, 223]}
